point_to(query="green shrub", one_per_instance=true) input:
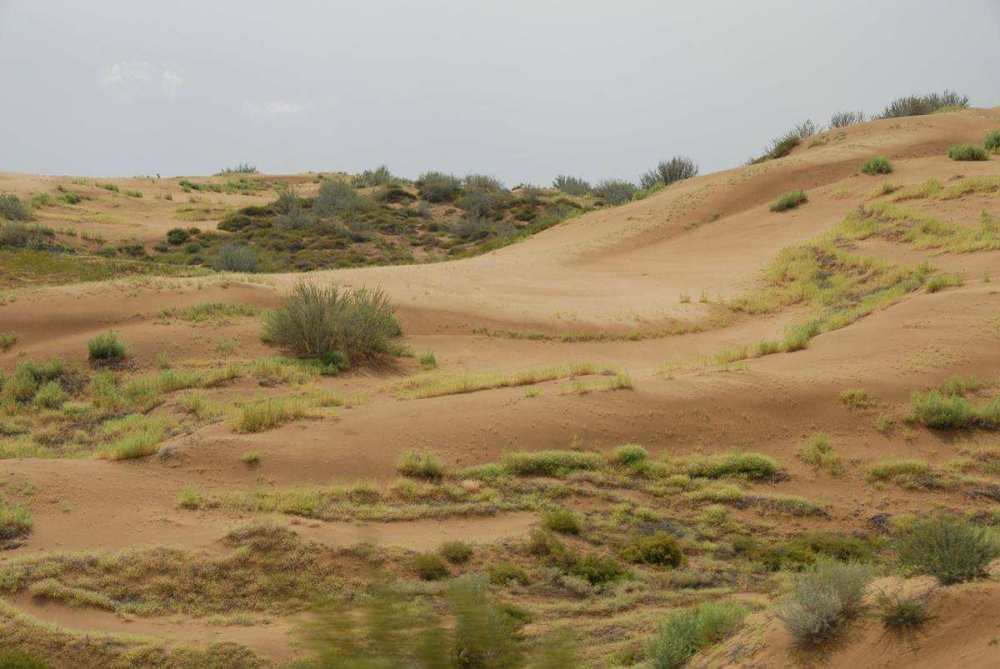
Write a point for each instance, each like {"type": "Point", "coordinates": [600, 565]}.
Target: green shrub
{"type": "Point", "coordinates": [177, 236]}
{"type": "Point", "coordinates": [50, 396]}
{"type": "Point", "coordinates": [15, 659]}
{"type": "Point", "coordinates": [615, 191]}
{"type": "Point", "coordinates": [992, 141]}
{"type": "Point", "coordinates": [571, 185]}
{"type": "Point", "coordinates": [918, 105]}
{"type": "Point", "coordinates": [420, 466]}
{"type": "Point", "coordinates": [877, 165]}
{"type": "Point", "coordinates": [596, 569]}
{"type": "Point", "coordinates": [504, 573]}
{"type": "Point", "coordinates": [629, 455]}
{"type": "Point", "coordinates": [380, 176]}
{"type": "Point", "coordinates": [7, 340]}
{"type": "Point", "coordinates": [430, 567]}
{"type": "Point", "coordinates": [823, 598]}
{"type": "Point", "coordinates": [899, 612]}
{"type": "Point", "coordinates": [106, 347]}
{"type": "Point", "coordinates": [553, 463]}
{"type": "Point", "coordinates": [12, 209]}
{"type": "Point", "coordinates": [684, 633]}
{"type": "Point", "coordinates": [15, 521]}
{"type": "Point", "coordinates": [789, 201]}
{"type": "Point", "coordinates": [670, 171]}
{"type": "Point", "coordinates": [659, 548]}
{"type": "Point", "coordinates": [967, 152]}
{"type": "Point", "coordinates": [15, 234]}
{"type": "Point", "coordinates": [947, 547]}
{"type": "Point", "coordinates": [936, 410]}
{"type": "Point", "coordinates": [317, 321]}
{"type": "Point", "coordinates": [750, 466]}
{"type": "Point", "coordinates": [337, 198]}
{"type": "Point", "coordinates": [236, 257]}
{"type": "Point", "coordinates": [439, 187]}
{"type": "Point", "coordinates": [561, 520]}
{"type": "Point", "coordinates": [818, 452]}
{"type": "Point", "coordinates": [428, 361]}
{"type": "Point", "coordinates": [456, 552]}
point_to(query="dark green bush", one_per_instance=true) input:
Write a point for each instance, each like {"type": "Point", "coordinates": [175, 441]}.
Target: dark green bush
{"type": "Point", "coordinates": [660, 548]}
{"type": "Point", "coordinates": [562, 520]}
{"type": "Point", "coordinates": [670, 171]}
{"type": "Point", "coordinates": [430, 567]}
{"type": "Point", "coordinates": [380, 176]}
{"type": "Point", "coordinates": [106, 347]}
{"type": "Point", "coordinates": [918, 105]}
{"type": "Point", "coordinates": [177, 236]}
{"type": "Point", "coordinates": [967, 152]}
{"type": "Point", "coordinates": [456, 552]}
{"type": "Point", "coordinates": [504, 573]}
{"type": "Point", "coordinates": [315, 321]}
{"type": "Point", "coordinates": [877, 165]}
{"type": "Point", "coordinates": [947, 547]}
{"type": "Point", "coordinates": [338, 198]}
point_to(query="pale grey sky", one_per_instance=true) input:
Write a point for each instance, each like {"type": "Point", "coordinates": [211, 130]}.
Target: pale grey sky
{"type": "Point", "coordinates": [521, 89]}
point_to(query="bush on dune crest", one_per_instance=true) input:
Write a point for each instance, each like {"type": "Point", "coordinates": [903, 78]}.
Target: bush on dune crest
{"type": "Point", "coordinates": [322, 322]}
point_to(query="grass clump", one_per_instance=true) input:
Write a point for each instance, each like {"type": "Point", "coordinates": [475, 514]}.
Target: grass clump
{"type": "Point", "coordinates": [269, 414]}
{"type": "Point", "coordinates": [50, 396]}
{"type": "Point", "coordinates": [670, 171]}
{"type": "Point", "coordinates": [857, 398]}
{"type": "Point", "coordinates": [629, 455]}
{"type": "Point", "coordinates": [552, 463]}
{"type": "Point", "coordinates": [572, 185]}
{"type": "Point", "coordinates": [321, 322]}
{"type": "Point", "coordinates": [236, 257]}
{"type": "Point", "coordinates": [749, 466]}
{"type": "Point", "coordinates": [15, 659]}
{"type": "Point", "coordinates": [967, 152]}
{"type": "Point", "coordinates": [992, 141]}
{"type": "Point", "coordinates": [818, 452]}
{"type": "Point", "coordinates": [682, 634]}
{"type": "Point", "coordinates": [846, 118]}
{"type": "Point", "coordinates": [918, 105]}
{"type": "Point", "coordinates": [132, 436]}
{"type": "Point", "coordinates": [877, 165]}
{"type": "Point", "coordinates": [428, 361]}
{"type": "Point", "coordinates": [789, 201]}
{"type": "Point", "coordinates": [950, 548]}
{"type": "Point", "coordinates": [562, 520]}
{"type": "Point", "coordinates": [15, 522]}
{"type": "Point", "coordinates": [899, 612]}
{"type": "Point", "coordinates": [913, 474]}
{"type": "Point", "coordinates": [823, 598]}
{"type": "Point", "coordinates": [430, 567]}
{"type": "Point", "coordinates": [660, 549]}
{"type": "Point", "coordinates": [7, 341]}
{"type": "Point", "coordinates": [937, 410]}
{"type": "Point", "coordinates": [456, 552]}
{"type": "Point", "coordinates": [418, 465]}
{"type": "Point", "coordinates": [615, 191]}
{"type": "Point", "coordinates": [12, 209]}
{"type": "Point", "coordinates": [250, 458]}
{"type": "Point", "coordinates": [106, 348]}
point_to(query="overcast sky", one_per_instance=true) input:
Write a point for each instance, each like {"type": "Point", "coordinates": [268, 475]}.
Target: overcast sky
{"type": "Point", "coordinates": [520, 89]}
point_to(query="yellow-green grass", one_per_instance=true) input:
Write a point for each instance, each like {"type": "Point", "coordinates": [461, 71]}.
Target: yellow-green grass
{"type": "Point", "coordinates": [425, 386]}
{"type": "Point", "coordinates": [891, 221]}
{"type": "Point", "coordinates": [267, 414]}
{"type": "Point", "coordinates": [133, 436]}
{"type": "Point", "coordinates": [211, 312]}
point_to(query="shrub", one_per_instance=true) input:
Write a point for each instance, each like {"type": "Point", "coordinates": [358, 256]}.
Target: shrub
{"type": "Point", "coordinates": [380, 176]}
{"type": "Point", "coordinates": [562, 520]}
{"type": "Point", "coordinates": [751, 466]}
{"type": "Point", "coordinates": [430, 567]}
{"type": "Point", "coordinates": [901, 613]}
{"type": "Point", "coordinates": [7, 340]}
{"type": "Point", "coordinates": [236, 257]}
{"type": "Point", "coordinates": [50, 396]}
{"type": "Point", "coordinates": [857, 398]}
{"type": "Point", "coordinates": [789, 201]}
{"type": "Point", "coordinates": [629, 455]}
{"type": "Point", "coordinates": [177, 236]}
{"type": "Point", "coordinates": [823, 598]}
{"type": "Point", "coordinates": [684, 633]}
{"type": "Point", "coordinates": [992, 141]}
{"type": "Point", "coordinates": [847, 118]}
{"type": "Point", "coordinates": [967, 152]}
{"type": "Point", "coordinates": [596, 569]}
{"type": "Point", "coordinates": [106, 347]}
{"type": "Point", "coordinates": [428, 360]}
{"type": "Point", "coordinates": [877, 165]}
{"type": "Point", "coordinates": [820, 454]}
{"type": "Point", "coordinates": [239, 168]}
{"type": "Point", "coordinates": [615, 191]}
{"type": "Point", "coordinates": [571, 185]}
{"type": "Point", "coordinates": [12, 209]}
{"type": "Point", "coordinates": [15, 234]}
{"type": "Point", "coordinates": [15, 659]}
{"type": "Point", "coordinates": [420, 466]}
{"type": "Point", "coordinates": [338, 198]}
{"type": "Point", "coordinates": [550, 462]}
{"type": "Point", "coordinates": [670, 171]}
{"type": "Point", "coordinates": [319, 321]}
{"type": "Point", "coordinates": [918, 105]}
{"type": "Point", "coordinates": [505, 572]}
{"type": "Point", "coordinates": [268, 414]}
{"type": "Point", "coordinates": [936, 410]}
{"type": "Point", "coordinates": [456, 552]}
{"type": "Point", "coordinates": [947, 547]}
{"type": "Point", "coordinates": [439, 187]}
{"type": "Point", "coordinates": [15, 521]}
{"type": "Point", "coordinates": [659, 548]}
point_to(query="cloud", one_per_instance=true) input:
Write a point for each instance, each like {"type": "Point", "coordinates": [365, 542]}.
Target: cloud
{"type": "Point", "coordinates": [128, 79]}
{"type": "Point", "coordinates": [274, 108]}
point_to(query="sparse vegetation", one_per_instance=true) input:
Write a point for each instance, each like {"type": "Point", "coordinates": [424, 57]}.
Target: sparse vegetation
{"type": "Point", "coordinates": [572, 185]}
{"type": "Point", "coordinates": [967, 152]}
{"type": "Point", "coordinates": [819, 453]}
{"type": "Point", "coordinates": [456, 552]}
{"type": "Point", "coordinates": [420, 466]}
{"type": "Point", "coordinates": [562, 520]}
{"type": "Point", "coordinates": [877, 165]}
{"type": "Point", "coordinates": [847, 118]}
{"type": "Point", "coordinates": [899, 612]}
{"type": "Point", "coordinates": [992, 141]}
{"type": "Point", "coordinates": [917, 105]}
{"type": "Point", "coordinates": [106, 348]}
{"type": "Point", "coordinates": [947, 547]}
{"type": "Point", "coordinates": [789, 201]}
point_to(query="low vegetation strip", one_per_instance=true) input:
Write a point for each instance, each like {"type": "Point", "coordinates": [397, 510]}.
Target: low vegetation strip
{"type": "Point", "coordinates": [434, 385]}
